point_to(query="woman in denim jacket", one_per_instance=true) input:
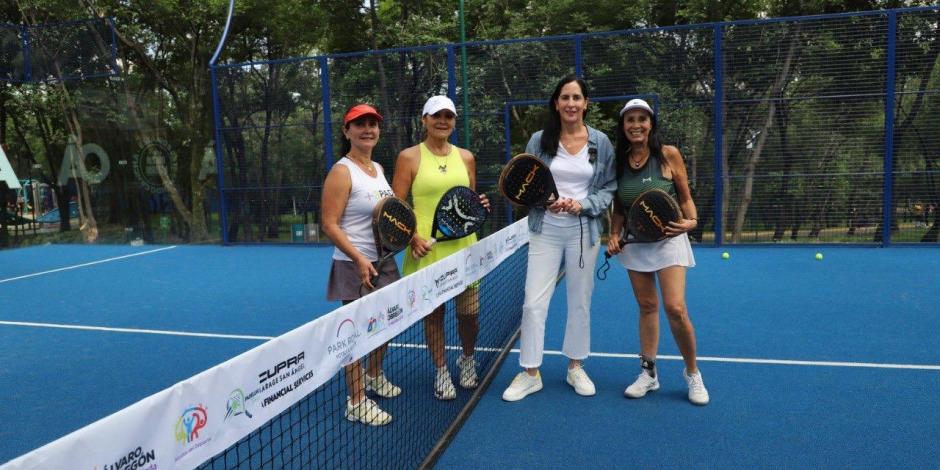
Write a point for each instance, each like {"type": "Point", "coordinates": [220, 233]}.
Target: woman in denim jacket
{"type": "Point", "coordinates": [581, 159]}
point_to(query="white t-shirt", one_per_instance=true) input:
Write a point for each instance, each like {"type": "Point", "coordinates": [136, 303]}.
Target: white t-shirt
{"type": "Point", "coordinates": [365, 193]}
{"type": "Point", "coordinates": [572, 174]}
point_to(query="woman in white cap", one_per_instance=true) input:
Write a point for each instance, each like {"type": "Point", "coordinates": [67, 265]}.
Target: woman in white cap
{"type": "Point", "coordinates": [351, 190]}
{"type": "Point", "coordinates": [643, 163]}
{"type": "Point", "coordinates": [581, 159]}
{"type": "Point", "coordinates": [426, 171]}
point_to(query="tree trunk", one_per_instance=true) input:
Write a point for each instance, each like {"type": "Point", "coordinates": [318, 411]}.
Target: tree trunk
{"type": "Point", "coordinates": [775, 91]}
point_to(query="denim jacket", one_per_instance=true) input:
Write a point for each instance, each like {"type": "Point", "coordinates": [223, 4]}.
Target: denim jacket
{"type": "Point", "coordinates": [603, 181]}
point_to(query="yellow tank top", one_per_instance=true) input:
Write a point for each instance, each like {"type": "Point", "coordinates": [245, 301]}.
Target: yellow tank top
{"type": "Point", "coordinates": [435, 176]}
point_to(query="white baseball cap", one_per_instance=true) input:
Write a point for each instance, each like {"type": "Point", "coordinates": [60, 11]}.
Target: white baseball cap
{"type": "Point", "coordinates": [637, 104]}
{"type": "Point", "coordinates": [437, 103]}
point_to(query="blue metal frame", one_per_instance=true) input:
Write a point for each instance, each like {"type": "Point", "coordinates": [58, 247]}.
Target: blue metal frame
{"type": "Point", "coordinates": [887, 197]}
{"type": "Point", "coordinates": [452, 88]}
{"type": "Point", "coordinates": [327, 111]}
{"type": "Point", "coordinates": [578, 56]}
{"type": "Point", "coordinates": [718, 118]}
{"type": "Point", "coordinates": [27, 59]}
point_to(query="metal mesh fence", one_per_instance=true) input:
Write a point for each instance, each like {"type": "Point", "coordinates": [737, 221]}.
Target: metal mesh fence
{"type": "Point", "coordinates": [794, 130]}
{"type": "Point", "coordinates": [75, 50]}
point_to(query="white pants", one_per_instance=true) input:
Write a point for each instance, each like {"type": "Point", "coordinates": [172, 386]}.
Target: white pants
{"type": "Point", "coordinates": [546, 251]}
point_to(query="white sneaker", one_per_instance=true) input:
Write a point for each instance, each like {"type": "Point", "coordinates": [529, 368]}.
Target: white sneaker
{"type": "Point", "coordinates": [367, 412]}
{"type": "Point", "coordinates": [381, 386]}
{"type": "Point", "coordinates": [522, 386]}
{"type": "Point", "coordinates": [443, 385]}
{"type": "Point", "coordinates": [698, 395]}
{"type": "Point", "coordinates": [468, 371]}
{"type": "Point", "coordinates": [579, 379]}
{"type": "Point", "coordinates": [644, 383]}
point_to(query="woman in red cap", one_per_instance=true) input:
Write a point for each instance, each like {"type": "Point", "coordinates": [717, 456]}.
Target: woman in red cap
{"type": "Point", "coordinates": [427, 171]}
{"type": "Point", "coordinates": [352, 188]}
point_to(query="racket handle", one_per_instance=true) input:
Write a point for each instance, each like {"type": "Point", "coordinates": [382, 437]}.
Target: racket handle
{"type": "Point", "coordinates": [621, 244]}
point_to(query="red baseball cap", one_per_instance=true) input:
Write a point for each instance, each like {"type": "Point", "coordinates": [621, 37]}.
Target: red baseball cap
{"type": "Point", "coordinates": [359, 111]}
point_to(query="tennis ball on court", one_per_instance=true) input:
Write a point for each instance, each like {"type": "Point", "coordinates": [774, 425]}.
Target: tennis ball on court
{"type": "Point", "coordinates": [819, 256]}
{"type": "Point", "coordinates": [725, 255]}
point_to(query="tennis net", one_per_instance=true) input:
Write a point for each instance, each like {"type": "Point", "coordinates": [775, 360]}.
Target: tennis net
{"type": "Point", "coordinates": [283, 404]}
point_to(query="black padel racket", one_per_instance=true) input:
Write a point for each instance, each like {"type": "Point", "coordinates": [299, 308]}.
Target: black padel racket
{"type": "Point", "coordinates": [393, 226]}
{"type": "Point", "coordinates": [650, 214]}
{"type": "Point", "coordinates": [459, 213]}
{"type": "Point", "coordinates": [527, 181]}
{"type": "Point", "coordinates": [647, 220]}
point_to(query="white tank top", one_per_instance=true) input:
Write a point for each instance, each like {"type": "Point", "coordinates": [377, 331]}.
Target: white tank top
{"type": "Point", "coordinates": [572, 174]}
{"type": "Point", "coordinates": [364, 194]}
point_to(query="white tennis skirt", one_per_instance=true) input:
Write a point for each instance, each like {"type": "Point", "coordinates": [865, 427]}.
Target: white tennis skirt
{"type": "Point", "coordinates": [651, 257]}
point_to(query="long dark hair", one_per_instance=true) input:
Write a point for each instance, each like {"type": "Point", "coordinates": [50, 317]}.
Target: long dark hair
{"type": "Point", "coordinates": [622, 151]}
{"type": "Point", "coordinates": [552, 130]}
{"type": "Point", "coordinates": [344, 144]}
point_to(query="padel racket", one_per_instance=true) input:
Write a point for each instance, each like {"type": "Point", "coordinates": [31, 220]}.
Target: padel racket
{"type": "Point", "coordinates": [650, 214]}
{"type": "Point", "coordinates": [647, 220]}
{"type": "Point", "coordinates": [393, 226]}
{"type": "Point", "coordinates": [459, 213]}
{"type": "Point", "coordinates": [527, 181]}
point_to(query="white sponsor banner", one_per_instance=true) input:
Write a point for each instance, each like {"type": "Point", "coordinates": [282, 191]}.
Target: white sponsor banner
{"type": "Point", "coordinates": [188, 423]}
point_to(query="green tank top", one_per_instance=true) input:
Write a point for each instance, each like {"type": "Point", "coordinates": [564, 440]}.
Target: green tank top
{"type": "Point", "coordinates": [632, 182]}
{"type": "Point", "coordinates": [434, 177]}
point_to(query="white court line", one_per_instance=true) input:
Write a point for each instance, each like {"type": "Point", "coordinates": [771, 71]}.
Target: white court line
{"type": "Point", "coordinates": [132, 330]}
{"type": "Point", "coordinates": [86, 264]}
{"type": "Point", "coordinates": [786, 362]}
{"type": "Point", "coordinates": [870, 365]}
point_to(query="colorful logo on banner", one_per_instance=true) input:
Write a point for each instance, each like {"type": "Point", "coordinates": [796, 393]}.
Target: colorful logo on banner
{"type": "Point", "coordinates": [346, 336]}
{"type": "Point", "coordinates": [377, 323]}
{"type": "Point", "coordinates": [190, 423]}
{"type": "Point", "coordinates": [186, 430]}
{"type": "Point", "coordinates": [470, 268]}
{"type": "Point", "coordinates": [134, 460]}
{"type": "Point", "coordinates": [426, 295]}
{"type": "Point", "coordinates": [236, 405]}
{"type": "Point", "coordinates": [412, 302]}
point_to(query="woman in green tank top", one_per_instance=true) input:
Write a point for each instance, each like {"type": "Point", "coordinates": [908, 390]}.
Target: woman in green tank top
{"type": "Point", "coordinates": [644, 163]}
{"type": "Point", "coordinates": [426, 171]}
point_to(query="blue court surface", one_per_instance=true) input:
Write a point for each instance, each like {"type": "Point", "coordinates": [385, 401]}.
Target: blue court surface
{"type": "Point", "coordinates": [831, 363]}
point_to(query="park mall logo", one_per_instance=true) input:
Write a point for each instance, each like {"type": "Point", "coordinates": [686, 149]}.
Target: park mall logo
{"type": "Point", "coordinates": [346, 337]}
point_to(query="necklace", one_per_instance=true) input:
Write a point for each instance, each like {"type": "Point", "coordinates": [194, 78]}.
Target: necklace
{"type": "Point", "coordinates": [638, 163]}
{"type": "Point", "coordinates": [441, 165]}
{"type": "Point", "coordinates": [576, 142]}
{"type": "Point", "coordinates": [369, 168]}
